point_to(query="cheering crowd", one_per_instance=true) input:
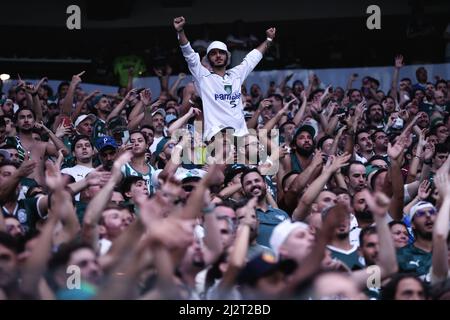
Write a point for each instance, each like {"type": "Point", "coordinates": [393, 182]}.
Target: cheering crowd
{"type": "Point", "coordinates": [217, 190]}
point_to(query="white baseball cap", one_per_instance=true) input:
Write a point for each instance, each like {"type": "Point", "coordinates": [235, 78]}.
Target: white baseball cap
{"type": "Point", "coordinates": [282, 231]}
{"type": "Point", "coordinates": [83, 117]}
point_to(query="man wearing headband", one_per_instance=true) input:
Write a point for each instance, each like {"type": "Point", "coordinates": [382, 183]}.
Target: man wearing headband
{"type": "Point", "coordinates": [416, 257]}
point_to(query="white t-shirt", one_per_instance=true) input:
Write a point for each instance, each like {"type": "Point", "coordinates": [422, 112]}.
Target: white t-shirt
{"type": "Point", "coordinates": [78, 172]}
{"type": "Point", "coordinates": [221, 97]}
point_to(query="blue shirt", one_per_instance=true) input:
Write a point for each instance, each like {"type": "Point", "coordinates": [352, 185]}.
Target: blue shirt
{"type": "Point", "coordinates": [267, 222]}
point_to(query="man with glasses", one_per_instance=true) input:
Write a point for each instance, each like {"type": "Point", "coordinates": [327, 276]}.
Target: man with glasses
{"type": "Point", "coordinates": [380, 142]}
{"type": "Point", "coordinates": [416, 257]}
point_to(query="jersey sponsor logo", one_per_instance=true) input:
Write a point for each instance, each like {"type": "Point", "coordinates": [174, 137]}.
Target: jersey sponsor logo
{"type": "Point", "coordinates": [227, 97]}
{"type": "Point", "coordinates": [416, 263]}
{"type": "Point", "coordinates": [228, 88]}
{"type": "Point", "coordinates": [22, 216]}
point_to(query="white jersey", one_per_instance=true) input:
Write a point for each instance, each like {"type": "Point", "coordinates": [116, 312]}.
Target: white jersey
{"type": "Point", "coordinates": [221, 96]}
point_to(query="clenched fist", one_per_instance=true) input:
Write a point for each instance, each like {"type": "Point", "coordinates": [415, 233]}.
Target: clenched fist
{"type": "Point", "coordinates": [178, 23]}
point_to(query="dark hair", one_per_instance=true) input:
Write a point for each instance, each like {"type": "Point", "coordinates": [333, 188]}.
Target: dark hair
{"type": "Point", "coordinates": [140, 132]}
{"type": "Point", "coordinates": [370, 106]}
{"type": "Point", "coordinates": [435, 127]}
{"type": "Point", "coordinates": [440, 148]}
{"type": "Point", "coordinates": [64, 83]}
{"type": "Point", "coordinates": [322, 140]}
{"type": "Point", "coordinates": [375, 132]}
{"type": "Point", "coordinates": [62, 256]}
{"type": "Point", "coordinates": [367, 231]}
{"type": "Point", "coordinates": [9, 163]}
{"type": "Point", "coordinates": [9, 242]}
{"type": "Point", "coordinates": [146, 126]}
{"type": "Point", "coordinates": [276, 96]}
{"type": "Point", "coordinates": [285, 124]}
{"type": "Point", "coordinates": [286, 176]}
{"type": "Point", "coordinates": [248, 171]}
{"type": "Point", "coordinates": [359, 132]}
{"type": "Point", "coordinates": [16, 115]}
{"type": "Point", "coordinates": [337, 191]}
{"type": "Point", "coordinates": [390, 289]}
{"type": "Point", "coordinates": [78, 138]}
{"type": "Point", "coordinates": [346, 169]}
{"type": "Point", "coordinates": [374, 177]}
{"type": "Point", "coordinates": [395, 222]}
{"type": "Point", "coordinates": [227, 203]}
{"type": "Point", "coordinates": [376, 157]}
{"type": "Point", "coordinates": [127, 183]}
{"type": "Point", "coordinates": [350, 92]}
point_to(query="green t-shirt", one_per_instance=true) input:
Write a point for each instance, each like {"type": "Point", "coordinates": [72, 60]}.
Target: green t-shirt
{"type": "Point", "coordinates": [350, 257]}
{"type": "Point", "coordinates": [99, 130]}
{"type": "Point", "coordinates": [413, 260]}
{"type": "Point", "coordinates": [27, 212]}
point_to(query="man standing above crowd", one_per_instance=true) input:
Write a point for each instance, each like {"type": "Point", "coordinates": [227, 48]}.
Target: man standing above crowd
{"type": "Point", "coordinates": [219, 89]}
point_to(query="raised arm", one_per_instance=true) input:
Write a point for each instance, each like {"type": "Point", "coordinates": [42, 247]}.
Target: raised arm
{"type": "Point", "coordinates": [395, 173]}
{"type": "Point", "coordinates": [270, 33]}
{"type": "Point", "coordinates": [440, 231]}
{"type": "Point", "coordinates": [82, 103]}
{"type": "Point", "coordinates": [98, 203]}
{"type": "Point", "coordinates": [174, 87]}
{"type": "Point", "coordinates": [68, 99]}
{"type": "Point", "coordinates": [180, 122]}
{"type": "Point", "coordinates": [387, 262]}
{"type": "Point", "coordinates": [395, 76]}
{"type": "Point", "coordinates": [316, 187]}
{"type": "Point", "coordinates": [118, 109]}
{"type": "Point", "coordinates": [239, 250]}
{"type": "Point", "coordinates": [178, 24]}
{"type": "Point", "coordinates": [8, 188]}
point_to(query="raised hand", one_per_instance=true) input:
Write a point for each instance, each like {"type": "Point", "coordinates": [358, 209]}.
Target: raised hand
{"type": "Point", "coordinates": [26, 168]}
{"type": "Point", "coordinates": [394, 151]}
{"type": "Point", "coordinates": [377, 203]}
{"type": "Point", "coordinates": [158, 71]}
{"type": "Point", "coordinates": [340, 161]}
{"type": "Point", "coordinates": [130, 95]}
{"type": "Point", "coordinates": [146, 96]}
{"type": "Point", "coordinates": [428, 151]}
{"type": "Point", "coordinates": [215, 175]}
{"type": "Point", "coordinates": [53, 178]}
{"type": "Point", "coordinates": [399, 61]}
{"type": "Point", "coordinates": [62, 130]}
{"type": "Point", "coordinates": [60, 159]}
{"type": "Point", "coordinates": [265, 103]}
{"type": "Point", "coordinates": [76, 79]}
{"type": "Point", "coordinates": [270, 33]}
{"type": "Point", "coordinates": [424, 190]}
{"type": "Point", "coordinates": [442, 184]}
{"type": "Point", "coordinates": [193, 112]}
{"type": "Point", "coordinates": [178, 23]}
{"type": "Point", "coordinates": [98, 178]}
{"type": "Point", "coordinates": [119, 162]}
{"type": "Point", "coordinates": [248, 210]}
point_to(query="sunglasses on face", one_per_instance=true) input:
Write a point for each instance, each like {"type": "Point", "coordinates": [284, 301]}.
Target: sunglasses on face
{"type": "Point", "coordinates": [421, 213]}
